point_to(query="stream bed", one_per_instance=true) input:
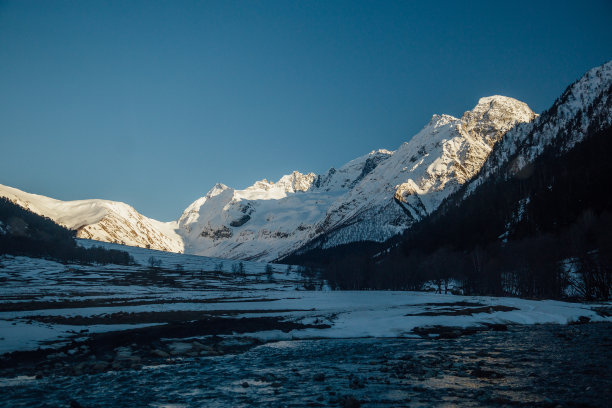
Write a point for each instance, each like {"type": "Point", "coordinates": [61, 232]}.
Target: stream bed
{"type": "Point", "coordinates": [538, 365]}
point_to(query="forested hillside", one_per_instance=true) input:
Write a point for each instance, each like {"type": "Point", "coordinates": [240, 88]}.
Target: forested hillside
{"type": "Point", "coordinates": [535, 222]}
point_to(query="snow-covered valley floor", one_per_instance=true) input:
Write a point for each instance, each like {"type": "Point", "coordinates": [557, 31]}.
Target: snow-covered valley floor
{"type": "Point", "coordinates": [190, 314]}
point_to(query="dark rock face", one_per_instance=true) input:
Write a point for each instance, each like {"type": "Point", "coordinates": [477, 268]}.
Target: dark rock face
{"type": "Point", "coordinates": [217, 233]}
{"type": "Point", "coordinates": [240, 221]}
{"type": "Point", "coordinates": [370, 164]}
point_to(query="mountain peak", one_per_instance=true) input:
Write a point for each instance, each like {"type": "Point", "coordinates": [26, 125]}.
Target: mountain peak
{"type": "Point", "coordinates": [494, 115]}
{"type": "Point", "coordinates": [497, 99]}
{"type": "Point", "coordinates": [296, 181]}
{"type": "Point", "coordinates": [503, 104]}
{"type": "Point", "coordinates": [216, 190]}
{"type": "Point", "coordinates": [381, 152]}
{"type": "Point", "coordinates": [440, 120]}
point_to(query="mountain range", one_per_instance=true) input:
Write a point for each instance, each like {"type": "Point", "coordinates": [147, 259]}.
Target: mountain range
{"type": "Point", "coordinates": [371, 198]}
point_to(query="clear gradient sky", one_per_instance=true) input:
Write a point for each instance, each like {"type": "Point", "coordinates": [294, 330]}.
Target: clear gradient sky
{"type": "Point", "coordinates": [152, 103]}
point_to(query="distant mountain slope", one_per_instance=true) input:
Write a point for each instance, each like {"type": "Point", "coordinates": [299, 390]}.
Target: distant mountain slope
{"type": "Point", "coordinates": [372, 197]}
{"type": "Point", "coordinates": [268, 219]}
{"type": "Point", "coordinates": [22, 232]}
{"type": "Point", "coordinates": [539, 207]}
{"type": "Point", "coordinates": [102, 220]}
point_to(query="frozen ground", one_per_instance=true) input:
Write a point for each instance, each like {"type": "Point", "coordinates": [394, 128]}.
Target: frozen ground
{"type": "Point", "coordinates": [44, 303]}
{"type": "Point", "coordinates": [59, 321]}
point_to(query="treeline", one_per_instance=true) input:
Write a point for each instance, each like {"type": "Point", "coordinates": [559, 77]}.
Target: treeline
{"type": "Point", "coordinates": [25, 233]}
{"type": "Point", "coordinates": [573, 263]}
{"type": "Point", "coordinates": [544, 233]}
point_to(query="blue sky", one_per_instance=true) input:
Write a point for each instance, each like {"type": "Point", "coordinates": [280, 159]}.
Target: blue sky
{"type": "Point", "coordinates": [152, 103]}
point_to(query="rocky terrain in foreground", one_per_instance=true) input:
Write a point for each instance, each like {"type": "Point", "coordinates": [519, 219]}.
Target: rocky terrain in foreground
{"type": "Point", "coordinates": [516, 366]}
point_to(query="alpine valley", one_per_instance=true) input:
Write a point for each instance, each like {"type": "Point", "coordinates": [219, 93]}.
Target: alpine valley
{"type": "Point", "coordinates": [374, 197]}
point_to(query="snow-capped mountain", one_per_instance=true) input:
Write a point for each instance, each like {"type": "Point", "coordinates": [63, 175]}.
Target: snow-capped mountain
{"type": "Point", "coordinates": [101, 220]}
{"type": "Point", "coordinates": [422, 172]}
{"type": "Point", "coordinates": [268, 219]}
{"type": "Point", "coordinates": [370, 198]}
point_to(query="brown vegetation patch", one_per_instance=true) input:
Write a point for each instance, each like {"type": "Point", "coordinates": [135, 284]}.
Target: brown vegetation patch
{"type": "Point", "coordinates": [462, 303]}
{"type": "Point", "coordinates": [464, 312]}
{"type": "Point", "coordinates": [149, 317]}
{"type": "Point", "coordinates": [443, 332]}
{"type": "Point", "coordinates": [113, 302]}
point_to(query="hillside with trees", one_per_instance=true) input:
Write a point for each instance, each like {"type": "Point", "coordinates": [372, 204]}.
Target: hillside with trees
{"type": "Point", "coordinates": [25, 233]}
{"type": "Point", "coordinates": [544, 231]}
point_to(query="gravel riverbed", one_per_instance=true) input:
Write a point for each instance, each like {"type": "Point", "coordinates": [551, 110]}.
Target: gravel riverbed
{"type": "Point", "coordinates": [539, 365]}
